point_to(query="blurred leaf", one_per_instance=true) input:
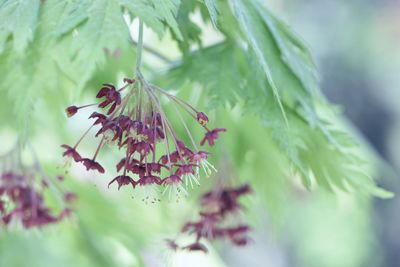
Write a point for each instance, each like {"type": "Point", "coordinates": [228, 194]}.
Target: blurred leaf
{"type": "Point", "coordinates": [254, 30]}
{"type": "Point", "coordinates": [104, 30]}
{"type": "Point", "coordinates": [168, 10]}
{"type": "Point", "coordinates": [146, 12]}
{"type": "Point", "coordinates": [212, 9]}
{"type": "Point", "coordinates": [18, 19]}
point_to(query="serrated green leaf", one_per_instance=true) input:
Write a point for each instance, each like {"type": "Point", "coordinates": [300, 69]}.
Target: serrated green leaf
{"type": "Point", "coordinates": [253, 31]}
{"type": "Point", "coordinates": [18, 19]}
{"type": "Point", "coordinates": [212, 9]}
{"type": "Point", "coordinates": [167, 10]}
{"type": "Point", "coordinates": [74, 13]}
{"type": "Point", "coordinates": [292, 50]}
{"type": "Point", "coordinates": [104, 30]}
{"type": "Point", "coordinates": [144, 10]}
{"type": "Point", "coordinates": [221, 82]}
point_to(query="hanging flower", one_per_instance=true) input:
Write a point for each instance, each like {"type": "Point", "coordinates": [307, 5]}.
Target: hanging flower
{"type": "Point", "coordinates": [134, 122]}
{"type": "Point", "coordinates": [217, 206]}
{"type": "Point", "coordinates": [22, 192]}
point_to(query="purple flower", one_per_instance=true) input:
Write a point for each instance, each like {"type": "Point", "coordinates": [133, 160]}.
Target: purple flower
{"type": "Point", "coordinates": [111, 96]}
{"type": "Point", "coordinates": [238, 235]}
{"type": "Point", "coordinates": [170, 180]}
{"type": "Point", "coordinates": [71, 110]}
{"type": "Point", "coordinates": [149, 180]}
{"type": "Point", "coordinates": [211, 136]}
{"type": "Point", "coordinates": [172, 244]}
{"type": "Point", "coordinates": [202, 118]}
{"type": "Point", "coordinates": [136, 124]}
{"type": "Point", "coordinates": [90, 164]}
{"type": "Point", "coordinates": [123, 180]}
{"type": "Point", "coordinates": [129, 81]}
{"type": "Point", "coordinates": [100, 118]}
{"type": "Point", "coordinates": [2, 206]}
{"type": "Point", "coordinates": [66, 212]}
{"type": "Point", "coordinates": [197, 157]}
{"type": "Point", "coordinates": [70, 197]}
{"type": "Point", "coordinates": [185, 169]}
{"type": "Point", "coordinates": [212, 223]}
{"type": "Point", "coordinates": [71, 152]}
{"type": "Point", "coordinates": [197, 246]}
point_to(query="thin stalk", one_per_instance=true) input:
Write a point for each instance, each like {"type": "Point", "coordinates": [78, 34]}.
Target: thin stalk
{"type": "Point", "coordinates": [186, 128]}
{"type": "Point", "coordinates": [83, 136]}
{"type": "Point", "coordinates": [169, 128]}
{"type": "Point", "coordinates": [139, 47]}
{"type": "Point", "coordinates": [98, 148]}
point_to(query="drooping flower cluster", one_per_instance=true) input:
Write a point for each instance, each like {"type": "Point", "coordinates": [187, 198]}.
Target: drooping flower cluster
{"type": "Point", "coordinates": [137, 124]}
{"type": "Point", "coordinates": [22, 195]}
{"type": "Point", "coordinates": [214, 223]}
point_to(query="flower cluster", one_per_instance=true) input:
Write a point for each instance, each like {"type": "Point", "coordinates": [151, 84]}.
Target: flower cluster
{"type": "Point", "coordinates": [133, 120]}
{"type": "Point", "coordinates": [22, 196]}
{"type": "Point", "coordinates": [213, 224]}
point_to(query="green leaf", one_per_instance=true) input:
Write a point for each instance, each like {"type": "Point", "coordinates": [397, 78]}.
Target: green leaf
{"type": "Point", "coordinates": [254, 32]}
{"type": "Point", "coordinates": [212, 9]}
{"type": "Point", "coordinates": [104, 30]}
{"type": "Point", "coordinates": [167, 10]}
{"type": "Point", "coordinates": [26, 84]}
{"type": "Point", "coordinates": [18, 19]}
{"type": "Point", "coordinates": [144, 10]}
{"type": "Point", "coordinates": [191, 32]}
{"type": "Point", "coordinates": [292, 49]}
{"type": "Point", "coordinates": [74, 13]}
{"type": "Point", "coordinates": [230, 75]}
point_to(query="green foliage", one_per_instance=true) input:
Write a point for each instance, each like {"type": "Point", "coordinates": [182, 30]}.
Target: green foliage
{"type": "Point", "coordinates": [213, 10]}
{"type": "Point", "coordinates": [18, 20]}
{"type": "Point", "coordinates": [261, 63]}
{"type": "Point", "coordinates": [168, 10]}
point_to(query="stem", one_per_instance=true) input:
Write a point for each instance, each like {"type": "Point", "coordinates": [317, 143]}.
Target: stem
{"type": "Point", "coordinates": [98, 148]}
{"type": "Point", "coordinates": [154, 52]}
{"type": "Point", "coordinates": [139, 47]}
{"type": "Point", "coordinates": [186, 128]}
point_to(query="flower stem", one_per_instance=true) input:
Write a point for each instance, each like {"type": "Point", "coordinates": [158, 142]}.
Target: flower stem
{"type": "Point", "coordinates": [139, 48]}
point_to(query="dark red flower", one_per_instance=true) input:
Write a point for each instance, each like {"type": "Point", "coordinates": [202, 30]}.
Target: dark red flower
{"type": "Point", "coordinates": [38, 218]}
{"type": "Point", "coordinates": [154, 167]}
{"type": "Point", "coordinates": [100, 118]}
{"type": "Point", "coordinates": [197, 246]}
{"type": "Point", "coordinates": [66, 212]}
{"type": "Point", "coordinates": [149, 180]}
{"type": "Point", "coordinates": [211, 136]}
{"type": "Point", "coordinates": [238, 235]}
{"type": "Point", "coordinates": [202, 118]}
{"type": "Point", "coordinates": [111, 96]}
{"type": "Point", "coordinates": [129, 81]}
{"type": "Point", "coordinates": [7, 218]}
{"type": "Point", "coordinates": [71, 152]}
{"type": "Point", "coordinates": [70, 197]}
{"type": "Point", "coordinates": [173, 179]}
{"type": "Point", "coordinates": [2, 206]}
{"type": "Point", "coordinates": [71, 110]}
{"type": "Point", "coordinates": [123, 180]}
{"type": "Point", "coordinates": [212, 223]}
{"type": "Point", "coordinates": [22, 191]}
{"type": "Point", "coordinates": [90, 164]}
{"type": "Point", "coordinates": [185, 169]}
{"type": "Point", "coordinates": [136, 124]}
{"type": "Point", "coordinates": [197, 157]}
{"type": "Point", "coordinates": [174, 157]}
{"type": "Point", "coordinates": [172, 244]}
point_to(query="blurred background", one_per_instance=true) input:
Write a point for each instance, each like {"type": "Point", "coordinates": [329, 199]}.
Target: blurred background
{"type": "Point", "coordinates": [356, 47]}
